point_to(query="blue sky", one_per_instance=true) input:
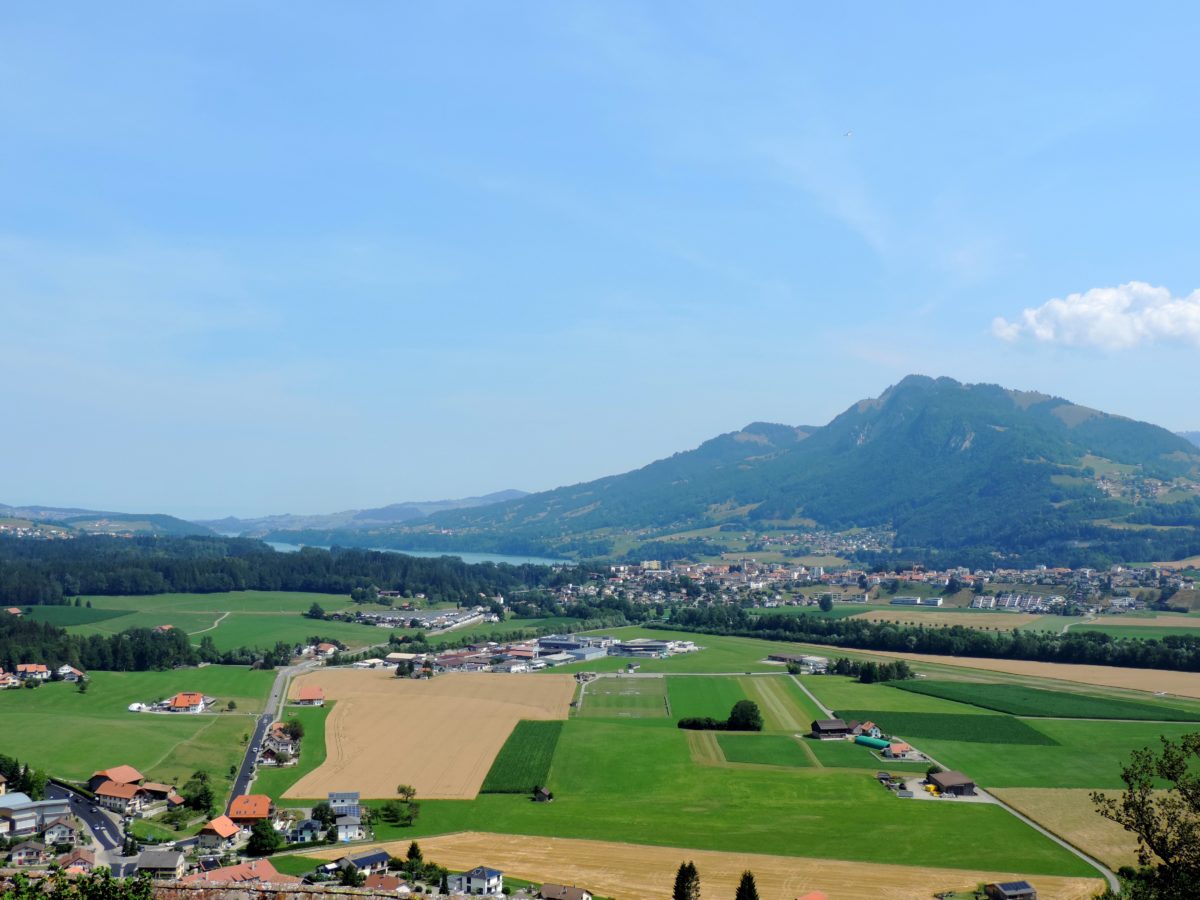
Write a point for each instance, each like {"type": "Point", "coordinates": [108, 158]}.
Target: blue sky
{"type": "Point", "coordinates": [304, 257]}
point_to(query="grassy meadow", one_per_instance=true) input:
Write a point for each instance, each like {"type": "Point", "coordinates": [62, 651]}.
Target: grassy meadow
{"type": "Point", "coordinates": [71, 735]}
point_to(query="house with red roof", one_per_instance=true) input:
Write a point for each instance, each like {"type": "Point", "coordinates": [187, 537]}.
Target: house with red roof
{"type": "Point", "coordinates": [117, 775]}
{"type": "Point", "coordinates": [218, 834]}
{"type": "Point", "coordinates": [255, 871]}
{"type": "Point", "coordinates": [246, 809]}
{"type": "Point", "coordinates": [187, 702]}
{"type": "Point", "coordinates": [33, 672]}
{"type": "Point", "coordinates": [125, 799]}
{"type": "Point", "coordinates": [310, 695]}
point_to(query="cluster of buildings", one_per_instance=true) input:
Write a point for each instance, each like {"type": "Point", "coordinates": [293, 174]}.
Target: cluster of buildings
{"type": "Point", "coordinates": [1035, 603]}
{"type": "Point", "coordinates": [184, 702]}
{"type": "Point", "coordinates": [534, 655]}
{"type": "Point", "coordinates": [868, 734]}
{"type": "Point", "coordinates": [434, 620]}
{"type": "Point", "coordinates": [37, 673]}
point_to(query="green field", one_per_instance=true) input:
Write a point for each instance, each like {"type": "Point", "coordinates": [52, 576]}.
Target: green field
{"type": "Point", "coordinates": [523, 763]}
{"type": "Point", "coordinates": [1022, 700]}
{"type": "Point", "coordinates": [849, 755]}
{"type": "Point", "coordinates": [64, 616]}
{"type": "Point", "coordinates": [1139, 631]}
{"type": "Point", "coordinates": [838, 691]}
{"type": "Point", "coordinates": [273, 781]}
{"type": "Point", "coordinates": [695, 696]}
{"type": "Point", "coordinates": [624, 697]}
{"type": "Point", "coordinates": [232, 619]}
{"type": "Point", "coordinates": [763, 750]}
{"type": "Point", "coordinates": [664, 798]}
{"type": "Point", "coordinates": [986, 729]}
{"type": "Point", "coordinates": [72, 734]}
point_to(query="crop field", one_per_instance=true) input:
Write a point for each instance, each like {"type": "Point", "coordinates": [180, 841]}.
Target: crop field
{"type": "Point", "coordinates": [995, 621]}
{"type": "Point", "coordinates": [64, 616]}
{"type": "Point", "coordinates": [1070, 812]}
{"type": "Point", "coordinates": [72, 734]}
{"type": "Point", "coordinates": [1022, 700]}
{"type": "Point", "coordinates": [694, 696]}
{"type": "Point", "coordinates": [763, 750]}
{"type": "Point", "coordinates": [632, 696]}
{"type": "Point", "coordinates": [1125, 628]}
{"type": "Point", "coordinates": [784, 706]}
{"type": "Point", "coordinates": [274, 781]}
{"type": "Point", "coordinates": [629, 870]}
{"type": "Point", "coordinates": [950, 726]}
{"type": "Point", "coordinates": [384, 730]}
{"type": "Point", "coordinates": [838, 691]}
{"type": "Point", "coordinates": [523, 763]}
{"type": "Point", "coordinates": [233, 618]}
{"type": "Point", "coordinates": [1084, 754]}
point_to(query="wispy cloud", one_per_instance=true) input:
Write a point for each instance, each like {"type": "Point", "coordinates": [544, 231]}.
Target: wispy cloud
{"type": "Point", "coordinates": [1115, 318]}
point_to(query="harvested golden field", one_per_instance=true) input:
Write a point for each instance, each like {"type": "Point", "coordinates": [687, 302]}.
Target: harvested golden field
{"type": "Point", "coordinates": [637, 872]}
{"type": "Point", "coordinates": [966, 619]}
{"type": "Point", "coordinates": [1070, 813]}
{"type": "Point", "coordinates": [385, 731]}
{"type": "Point", "coordinates": [1182, 684]}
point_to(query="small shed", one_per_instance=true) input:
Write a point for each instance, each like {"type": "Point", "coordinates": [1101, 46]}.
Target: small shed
{"type": "Point", "coordinates": [1011, 890]}
{"type": "Point", "coordinates": [955, 783]}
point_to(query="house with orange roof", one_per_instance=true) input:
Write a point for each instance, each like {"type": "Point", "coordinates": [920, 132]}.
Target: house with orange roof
{"type": "Point", "coordinates": [218, 834]}
{"type": "Point", "coordinates": [125, 799]}
{"type": "Point", "coordinates": [32, 672]}
{"type": "Point", "coordinates": [246, 809]}
{"type": "Point", "coordinates": [255, 871]}
{"type": "Point", "coordinates": [13, 611]}
{"type": "Point", "coordinates": [117, 775]}
{"type": "Point", "coordinates": [310, 695]}
{"type": "Point", "coordinates": [78, 862]}
{"type": "Point", "coordinates": [187, 702]}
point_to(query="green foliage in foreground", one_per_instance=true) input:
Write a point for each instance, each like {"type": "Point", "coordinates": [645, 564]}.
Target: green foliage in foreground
{"type": "Point", "coordinates": [97, 885]}
{"type": "Point", "coordinates": [523, 763]}
{"type": "Point", "coordinates": [951, 727]}
{"type": "Point", "coordinates": [1019, 700]}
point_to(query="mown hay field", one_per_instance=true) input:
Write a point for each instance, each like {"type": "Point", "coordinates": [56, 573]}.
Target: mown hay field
{"type": "Point", "coordinates": [763, 750]}
{"type": "Point", "coordinates": [624, 696]}
{"type": "Point", "coordinates": [523, 763]}
{"type": "Point", "coordinates": [385, 731]}
{"type": "Point", "coordinates": [637, 872]}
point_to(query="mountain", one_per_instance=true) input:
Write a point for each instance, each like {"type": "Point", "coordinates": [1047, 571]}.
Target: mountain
{"type": "Point", "coordinates": [92, 521]}
{"type": "Point", "coordinates": [352, 519]}
{"type": "Point", "coordinates": [1193, 436]}
{"type": "Point", "coordinates": [945, 465]}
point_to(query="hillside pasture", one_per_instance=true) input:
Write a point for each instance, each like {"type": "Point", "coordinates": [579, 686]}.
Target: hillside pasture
{"type": "Point", "coordinates": [1024, 700]}
{"type": "Point", "coordinates": [624, 696]}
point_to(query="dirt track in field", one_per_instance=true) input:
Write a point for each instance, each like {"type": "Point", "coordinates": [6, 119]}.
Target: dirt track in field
{"type": "Point", "coordinates": [637, 872]}
{"type": "Point", "coordinates": [949, 617]}
{"type": "Point", "coordinates": [440, 736]}
{"type": "Point", "coordinates": [1070, 813]}
{"type": "Point", "coordinates": [1182, 684]}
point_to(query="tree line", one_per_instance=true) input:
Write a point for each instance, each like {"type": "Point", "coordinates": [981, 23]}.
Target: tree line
{"type": "Point", "coordinates": [1177, 653]}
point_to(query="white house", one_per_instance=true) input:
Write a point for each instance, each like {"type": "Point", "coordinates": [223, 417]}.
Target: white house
{"type": "Point", "coordinates": [349, 828]}
{"type": "Point", "coordinates": [479, 880]}
{"type": "Point", "coordinates": [70, 673]}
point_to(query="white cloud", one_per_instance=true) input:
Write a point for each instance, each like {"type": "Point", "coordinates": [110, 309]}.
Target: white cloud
{"type": "Point", "coordinates": [1115, 318]}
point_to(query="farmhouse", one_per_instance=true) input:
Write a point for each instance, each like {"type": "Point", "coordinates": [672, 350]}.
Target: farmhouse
{"type": "Point", "coordinates": [310, 695]}
{"type": "Point", "coordinates": [955, 783]}
{"type": "Point", "coordinates": [1011, 890]}
{"type": "Point", "coordinates": [479, 880]}
{"type": "Point", "coordinates": [117, 775]}
{"type": "Point", "coordinates": [13, 611]}
{"type": "Point", "coordinates": [326, 650]}
{"type": "Point", "coordinates": [166, 865]}
{"type": "Point", "coordinates": [32, 672]}
{"type": "Point", "coordinates": [246, 809]}
{"type": "Point", "coordinates": [30, 853]}
{"type": "Point", "coordinates": [218, 834]}
{"type": "Point", "coordinates": [124, 799]}
{"type": "Point", "coordinates": [187, 702]}
{"type": "Point", "coordinates": [826, 729]}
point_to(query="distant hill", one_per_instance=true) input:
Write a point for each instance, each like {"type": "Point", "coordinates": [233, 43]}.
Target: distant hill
{"type": "Point", "coordinates": [92, 521]}
{"type": "Point", "coordinates": [353, 519]}
{"type": "Point", "coordinates": [1193, 436]}
{"type": "Point", "coordinates": [946, 465]}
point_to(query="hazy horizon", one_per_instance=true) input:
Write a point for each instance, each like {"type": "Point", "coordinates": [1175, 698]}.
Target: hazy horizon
{"type": "Point", "coordinates": [296, 258]}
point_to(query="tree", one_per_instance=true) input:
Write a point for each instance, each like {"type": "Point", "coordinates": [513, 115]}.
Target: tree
{"type": "Point", "coordinates": [315, 611]}
{"type": "Point", "coordinates": [747, 889]}
{"type": "Point", "coordinates": [414, 853]}
{"type": "Point", "coordinates": [1166, 822]}
{"type": "Point", "coordinates": [745, 716]}
{"type": "Point", "coordinates": [231, 705]}
{"type": "Point", "coordinates": [264, 839]}
{"type": "Point", "coordinates": [406, 792]}
{"type": "Point", "coordinates": [825, 603]}
{"type": "Point", "coordinates": [687, 882]}
{"type": "Point", "coordinates": [294, 729]}
{"type": "Point", "coordinates": [351, 877]}
{"type": "Point", "coordinates": [82, 686]}
{"type": "Point", "coordinates": [323, 813]}
{"type": "Point", "coordinates": [444, 885]}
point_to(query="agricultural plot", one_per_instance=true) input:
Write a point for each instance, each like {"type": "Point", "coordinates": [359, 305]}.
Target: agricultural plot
{"type": "Point", "coordinates": [65, 616]}
{"type": "Point", "coordinates": [983, 729]}
{"type": "Point", "coordinates": [838, 692]}
{"type": "Point", "coordinates": [1149, 631]}
{"type": "Point", "coordinates": [1072, 814]}
{"type": "Point", "coordinates": [523, 763]}
{"type": "Point", "coordinates": [763, 750]}
{"type": "Point", "coordinates": [1023, 700]}
{"type": "Point", "coordinates": [698, 697]}
{"type": "Point", "coordinates": [72, 735]}
{"type": "Point", "coordinates": [384, 730]}
{"type": "Point", "coordinates": [624, 697]}
{"type": "Point", "coordinates": [936, 618]}
{"type": "Point", "coordinates": [783, 705]}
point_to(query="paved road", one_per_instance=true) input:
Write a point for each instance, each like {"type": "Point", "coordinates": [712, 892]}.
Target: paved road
{"type": "Point", "coordinates": [105, 829]}
{"type": "Point", "coordinates": [245, 776]}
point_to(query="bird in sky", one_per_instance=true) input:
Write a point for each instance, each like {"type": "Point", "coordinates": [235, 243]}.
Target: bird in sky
{"type": "Point", "coordinates": [848, 134]}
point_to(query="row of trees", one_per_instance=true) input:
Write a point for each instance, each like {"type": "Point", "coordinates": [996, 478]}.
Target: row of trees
{"type": "Point", "coordinates": [687, 884]}
{"type": "Point", "coordinates": [133, 650]}
{"type": "Point", "coordinates": [1179, 653]}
